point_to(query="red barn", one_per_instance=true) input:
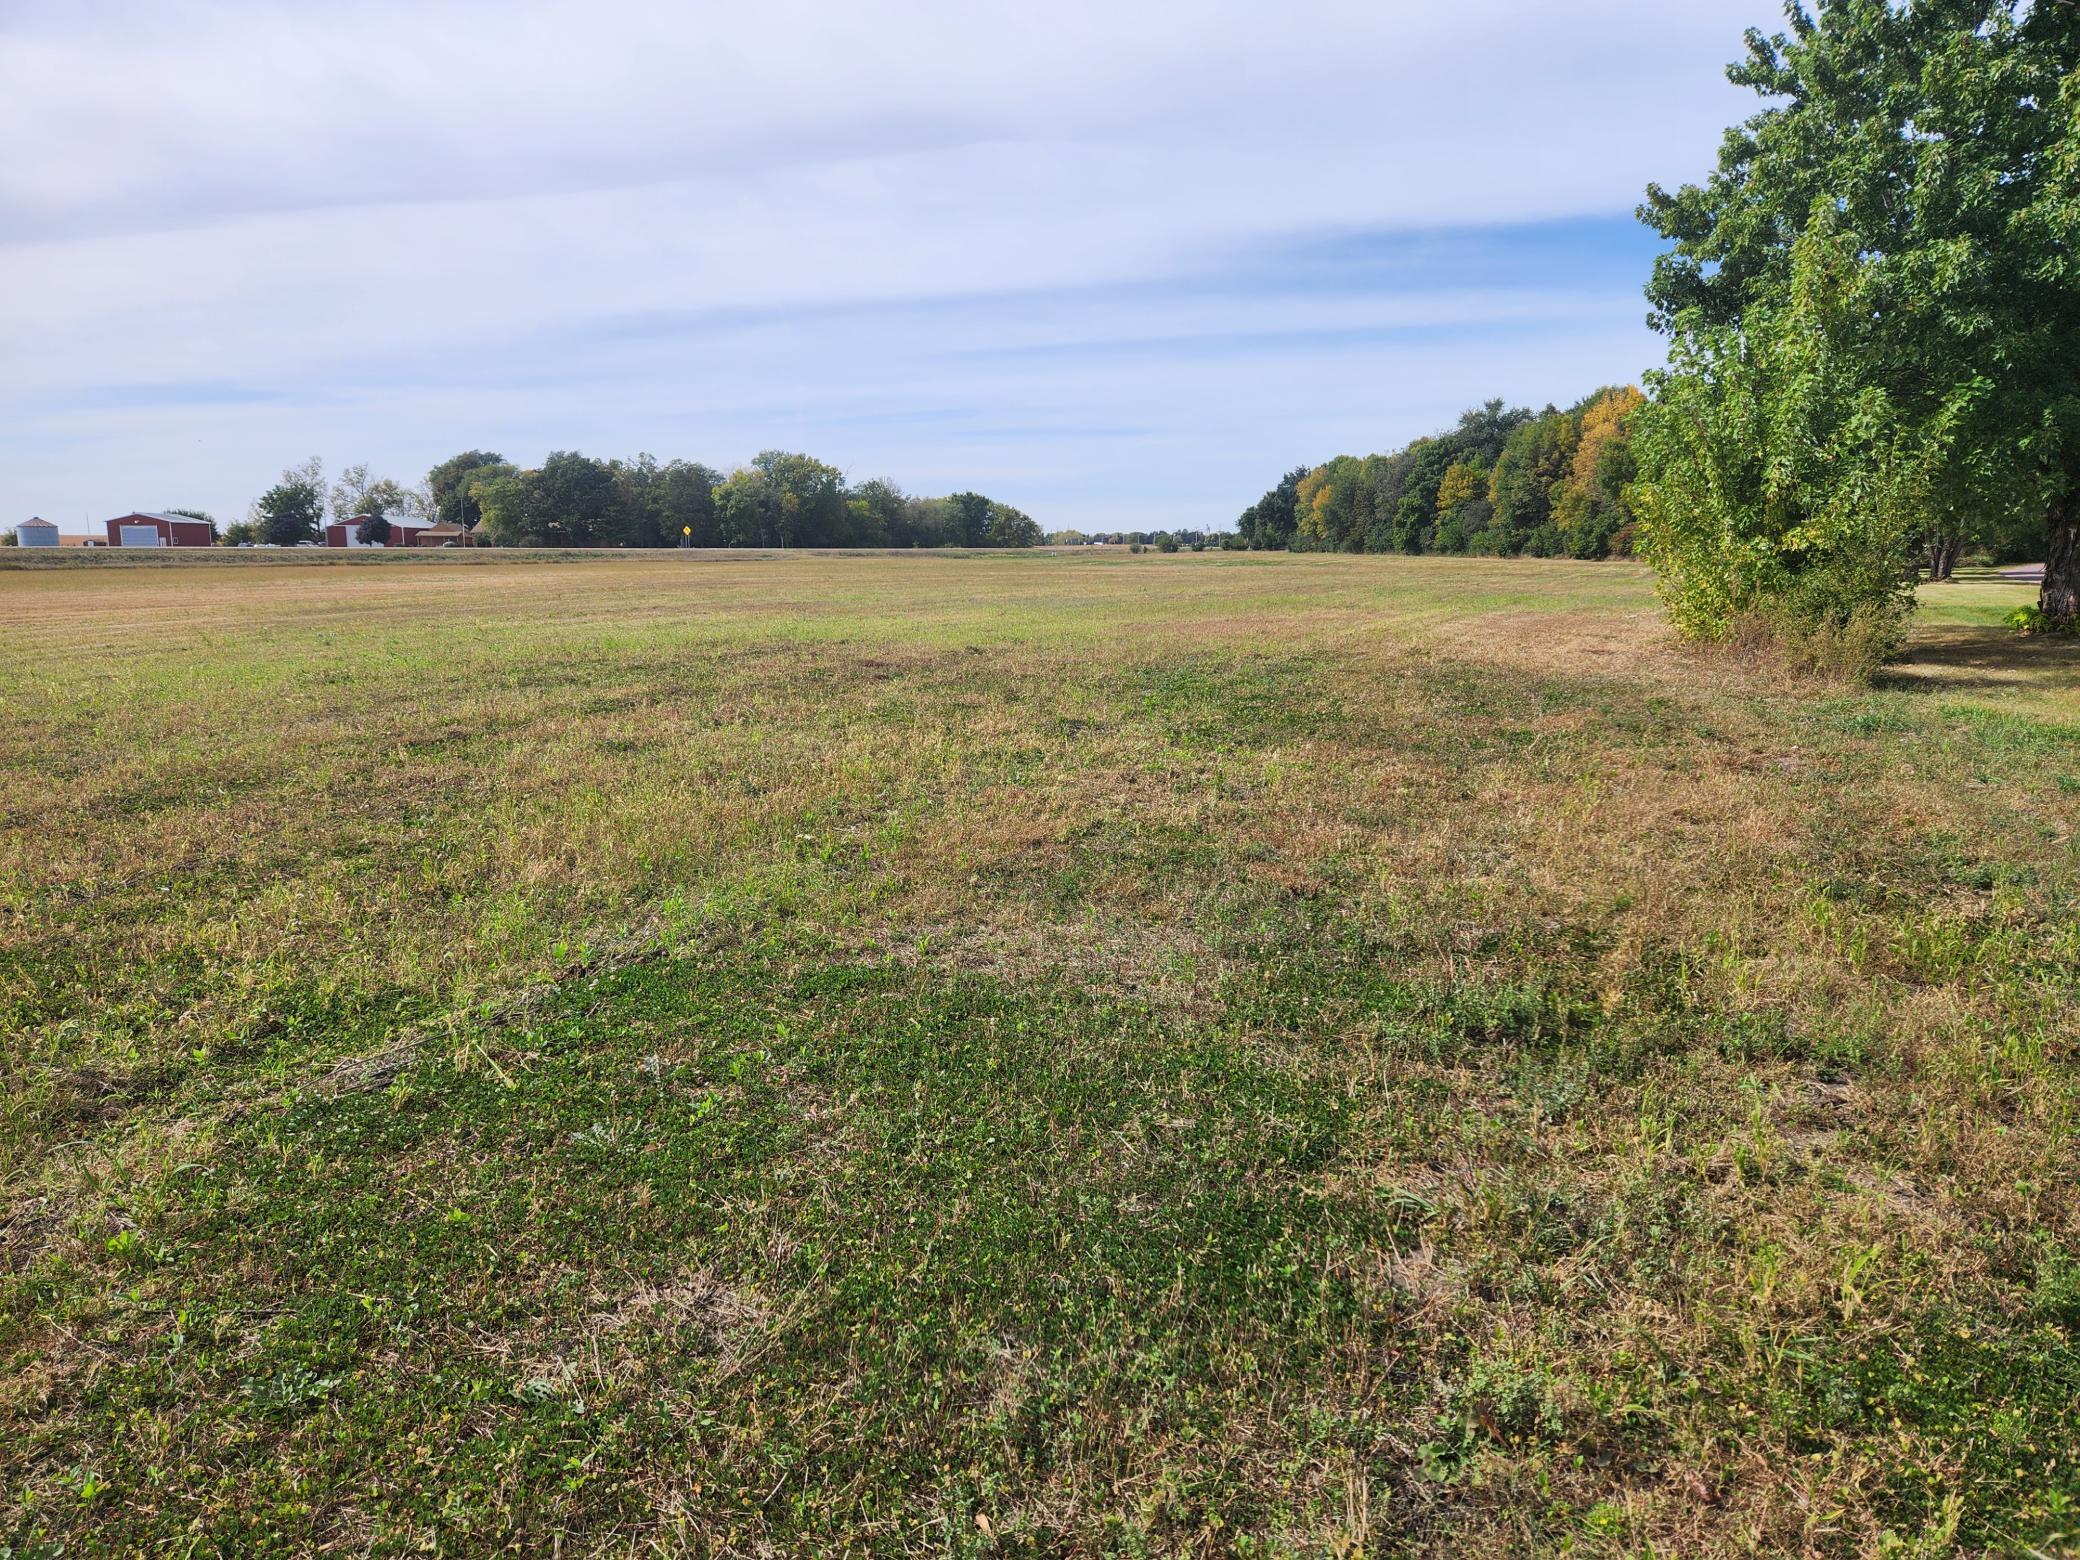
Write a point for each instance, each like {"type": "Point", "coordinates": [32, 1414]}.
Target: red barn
{"type": "Point", "coordinates": [154, 530]}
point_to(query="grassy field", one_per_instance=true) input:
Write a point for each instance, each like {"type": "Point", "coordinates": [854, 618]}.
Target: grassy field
{"type": "Point", "coordinates": [1026, 1055]}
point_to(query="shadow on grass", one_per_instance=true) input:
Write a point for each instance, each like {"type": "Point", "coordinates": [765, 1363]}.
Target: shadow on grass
{"type": "Point", "coordinates": [1958, 658]}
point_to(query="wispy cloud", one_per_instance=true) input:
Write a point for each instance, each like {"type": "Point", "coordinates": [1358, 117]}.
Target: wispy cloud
{"type": "Point", "coordinates": [1112, 262]}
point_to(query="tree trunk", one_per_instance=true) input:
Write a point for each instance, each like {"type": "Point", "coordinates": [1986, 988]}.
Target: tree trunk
{"type": "Point", "coordinates": [2060, 599]}
{"type": "Point", "coordinates": [1943, 553]}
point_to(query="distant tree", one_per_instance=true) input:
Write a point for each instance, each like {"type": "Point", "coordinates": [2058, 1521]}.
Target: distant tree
{"type": "Point", "coordinates": [1414, 513]}
{"type": "Point", "coordinates": [349, 493]}
{"type": "Point", "coordinates": [1462, 504]}
{"type": "Point", "coordinates": [1591, 503]}
{"type": "Point", "coordinates": [291, 510]}
{"type": "Point", "coordinates": [574, 501]}
{"type": "Point", "coordinates": [663, 505]}
{"type": "Point", "coordinates": [499, 496]}
{"type": "Point", "coordinates": [1537, 457]}
{"type": "Point", "coordinates": [1395, 502]}
{"type": "Point", "coordinates": [238, 534]}
{"type": "Point", "coordinates": [878, 514]}
{"type": "Point", "coordinates": [927, 522]}
{"type": "Point", "coordinates": [1331, 507]}
{"type": "Point", "coordinates": [1010, 527]}
{"type": "Point", "coordinates": [783, 500]}
{"type": "Point", "coordinates": [1268, 523]}
{"type": "Point", "coordinates": [356, 493]}
{"type": "Point", "coordinates": [683, 499]}
{"type": "Point", "coordinates": [373, 531]}
{"type": "Point", "coordinates": [969, 514]}
{"type": "Point", "coordinates": [449, 486]}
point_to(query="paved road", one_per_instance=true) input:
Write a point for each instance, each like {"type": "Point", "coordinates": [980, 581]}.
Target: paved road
{"type": "Point", "coordinates": [2028, 574]}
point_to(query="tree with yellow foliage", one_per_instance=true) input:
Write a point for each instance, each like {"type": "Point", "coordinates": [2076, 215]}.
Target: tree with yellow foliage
{"type": "Point", "coordinates": [1589, 507]}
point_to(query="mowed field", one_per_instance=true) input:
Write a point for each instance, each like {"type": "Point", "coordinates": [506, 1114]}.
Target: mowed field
{"type": "Point", "coordinates": [1025, 1055]}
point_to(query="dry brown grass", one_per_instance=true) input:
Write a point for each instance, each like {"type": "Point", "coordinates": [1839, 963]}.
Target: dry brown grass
{"type": "Point", "coordinates": [1685, 1029]}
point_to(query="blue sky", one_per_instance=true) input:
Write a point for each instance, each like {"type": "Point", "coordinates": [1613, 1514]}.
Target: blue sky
{"type": "Point", "coordinates": [1120, 266]}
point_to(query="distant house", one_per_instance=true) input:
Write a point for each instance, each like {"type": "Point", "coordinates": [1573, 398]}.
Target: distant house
{"type": "Point", "coordinates": [36, 532]}
{"type": "Point", "coordinates": [405, 531]}
{"type": "Point", "coordinates": [446, 534]}
{"type": "Point", "coordinates": [146, 529]}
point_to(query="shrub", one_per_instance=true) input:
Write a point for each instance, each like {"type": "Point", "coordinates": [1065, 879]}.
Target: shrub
{"type": "Point", "coordinates": [1778, 486]}
{"type": "Point", "coordinates": [2033, 619]}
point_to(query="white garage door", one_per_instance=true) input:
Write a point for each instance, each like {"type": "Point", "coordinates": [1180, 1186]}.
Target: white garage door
{"type": "Point", "coordinates": [137, 536]}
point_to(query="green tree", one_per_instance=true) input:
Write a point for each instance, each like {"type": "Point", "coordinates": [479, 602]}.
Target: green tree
{"type": "Point", "coordinates": [1462, 506]}
{"type": "Point", "coordinates": [498, 496]}
{"type": "Point", "coordinates": [1939, 143]}
{"type": "Point", "coordinates": [878, 514]}
{"type": "Point", "coordinates": [1535, 460]}
{"type": "Point", "coordinates": [292, 510]}
{"type": "Point", "coordinates": [927, 522]}
{"type": "Point", "coordinates": [357, 493]}
{"type": "Point", "coordinates": [968, 515]}
{"type": "Point", "coordinates": [783, 500]}
{"type": "Point", "coordinates": [663, 505]}
{"type": "Point", "coordinates": [573, 501]}
{"type": "Point", "coordinates": [1009, 527]}
{"type": "Point", "coordinates": [450, 485]}
{"type": "Point", "coordinates": [1268, 524]}
{"type": "Point", "coordinates": [1777, 483]}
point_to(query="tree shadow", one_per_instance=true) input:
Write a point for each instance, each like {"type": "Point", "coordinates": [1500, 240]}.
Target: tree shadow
{"type": "Point", "coordinates": [1956, 657]}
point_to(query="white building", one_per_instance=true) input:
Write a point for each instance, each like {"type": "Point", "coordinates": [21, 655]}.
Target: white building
{"type": "Point", "coordinates": [36, 532]}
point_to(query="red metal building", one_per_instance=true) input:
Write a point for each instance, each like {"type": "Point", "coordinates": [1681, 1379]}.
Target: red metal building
{"type": "Point", "coordinates": [154, 530]}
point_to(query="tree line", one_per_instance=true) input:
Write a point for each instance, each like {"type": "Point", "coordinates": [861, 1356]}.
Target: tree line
{"type": "Point", "coordinates": [574, 500]}
{"type": "Point", "coordinates": [1506, 481]}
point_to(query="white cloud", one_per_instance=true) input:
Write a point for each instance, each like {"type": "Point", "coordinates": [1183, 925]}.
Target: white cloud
{"type": "Point", "coordinates": [415, 228]}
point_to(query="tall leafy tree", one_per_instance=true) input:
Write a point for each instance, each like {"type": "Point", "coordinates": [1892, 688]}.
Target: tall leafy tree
{"type": "Point", "coordinates": [292, 510]}
{"type": "Point", "coordinates": [1462, 505]}
{"type": "Point", "coordinates": [1009, 527]}
{"type": "Point", "coordinates": [1778, 484]}
{"type": "Point", "coordinates": [450, 483]}
{"type": "Point", "coordinates": [1534, 461]}
{"type": "Point", "coordinates": [878, 514]}
{"type": "Point", "coordinates": [970, 515]}
{"type": "Point", "coordinates": [662, 505]}
{"type": "Point", "coordinates": [1268, 523]}
{"type": "Point", "coordinates": [498, 496]}
{"type": "Point", "coordinates": [1592, 502]}
{"type": "Point", "coordinates": [355, 492]}
{"type": "Point", "coordinates": [1938, 141]}
{"type": "Point", "coordinates": [573, 501]}
{"type": "Point", "coordinates": [783, 499]}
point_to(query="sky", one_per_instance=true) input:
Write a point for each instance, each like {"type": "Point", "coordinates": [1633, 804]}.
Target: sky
{"type": "Point", "coordinates": [1119, 264]}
